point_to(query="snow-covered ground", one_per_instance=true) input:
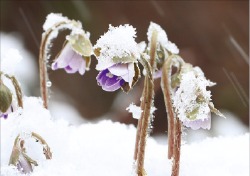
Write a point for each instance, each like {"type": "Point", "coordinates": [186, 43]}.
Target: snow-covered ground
{"type": "Point", "coordinates": [106, 148]}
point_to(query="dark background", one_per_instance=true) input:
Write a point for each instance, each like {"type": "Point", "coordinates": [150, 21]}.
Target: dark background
{"type": "Point", "coordinates": [213, 35]}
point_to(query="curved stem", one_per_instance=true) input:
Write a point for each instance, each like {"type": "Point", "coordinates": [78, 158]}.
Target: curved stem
{"type": "Point", "coordinates": [43, 59]}
{"type": "Point", "coordinates": [166, 89]}
{"type": "Point", "coordinates": [147, 102]}
{"type": "Point", "coordinates": [167, 92]}
{"type": "Point", "coordinates": [18, 89]}
{"type": "Point", "coordinates": [174, 124]}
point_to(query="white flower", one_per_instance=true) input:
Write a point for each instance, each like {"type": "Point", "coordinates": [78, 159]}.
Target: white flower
{"type": "Point", "coordinates": [192, 101]}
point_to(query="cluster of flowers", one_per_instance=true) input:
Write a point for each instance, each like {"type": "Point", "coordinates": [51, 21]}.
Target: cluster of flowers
{"type": "Point", "coordinates": [118, 56]}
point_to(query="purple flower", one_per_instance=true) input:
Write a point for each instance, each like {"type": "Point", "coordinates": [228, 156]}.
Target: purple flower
{"type": "Point", "coordinates": [114, 77]}
{"type": "Point", "coordinates": [70, 61]}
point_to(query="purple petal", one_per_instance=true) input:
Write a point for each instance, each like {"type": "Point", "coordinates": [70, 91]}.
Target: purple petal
{"type": "Point", "coordinates": [64, 57]}
{"type": "Point", "coordinates": [108, 81]}
{"type": "Point", "coordinates": [199, 123]}
{"type": "Point", "coordinates": [101, 77]}
{"type": "Point", "coordinates": [70, 61]}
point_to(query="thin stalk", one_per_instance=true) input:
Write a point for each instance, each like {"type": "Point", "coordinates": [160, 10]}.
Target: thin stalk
{"type": "Point", "coordinates": [147, 67]}
{"type": "Point", "coordinates": [138, 131]}
{"type": "Point", "coordinates": [18, 89]}
{"type": "Point", "coordinates": [43, 61]}
{"type": "Point", "coordinates": [177, 148]}
{"type": "Point", "coordinates": [148, 101]}
{"type": "Point", "coordinates": [166, 89]}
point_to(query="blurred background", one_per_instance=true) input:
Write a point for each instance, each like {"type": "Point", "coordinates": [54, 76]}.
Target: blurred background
{"type": "Point", "coordinates": [213, 35]}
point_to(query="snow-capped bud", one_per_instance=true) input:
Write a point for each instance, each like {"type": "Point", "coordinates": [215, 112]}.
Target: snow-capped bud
{"type": "Point", "coordinates": [164, 47]}
{"type": "Point", "coordinates": [117, 54]}
{"type": "Point", "coordinates": [192, 101]}
{"type": "Point", "coordinates": [5, 98]}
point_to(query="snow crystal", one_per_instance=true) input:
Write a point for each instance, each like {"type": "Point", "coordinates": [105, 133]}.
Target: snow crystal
{"type": "Point", "coordinates": [10, 61]}
{"type": "Point", "coordinates": [193, 84]}
{"type": "Point", "coordinates": [135, 110]}
{"type": "Point", "coordinates": [161, 38]}
{"type": "Point", "coordinates": [52, 19]}
{"type": "Point", "coordinates": [117, 42]}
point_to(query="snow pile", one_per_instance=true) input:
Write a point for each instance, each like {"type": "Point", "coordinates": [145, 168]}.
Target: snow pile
{"type": "Point", "coordinates": [135, 110]}
{"type": "Point", "coordinates": [106, 148]}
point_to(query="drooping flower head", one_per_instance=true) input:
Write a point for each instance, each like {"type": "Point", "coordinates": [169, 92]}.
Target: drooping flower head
{"type": "Point", "coordinates": [164, 46]}
{"type": "Point", "coordinates": [75, 54]}
{"type": "Point", "coordinates": [117, 54]}
{"type": "Point", "coordinates": [192, 102]}
{"type": "Point", "coordinates": [6, 106]}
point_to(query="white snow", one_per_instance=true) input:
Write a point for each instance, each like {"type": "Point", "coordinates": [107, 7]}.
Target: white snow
{"type": "Point", "coordinates": [135, 110]}
{"type": "Point", "coordinates": [106, 148]}
{"type": "Point", "coordinates": [161, 38]}
{"type": "Point", "coordinates": [193, 84]}
{"type": "Point", "coordinates": [52, 19]}
{"type": "Point", "coordinates": [10, 60]}
{"type": "Point", "coordinates": [117, 42]}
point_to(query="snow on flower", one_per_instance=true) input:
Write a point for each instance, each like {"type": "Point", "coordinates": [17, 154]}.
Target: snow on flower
{"type": "Point", "coordinates": [192, 101]}
{"type": "Point", "coordinates": [164, 47]}
{"type": "Point", "coordinates": [117, 54]}
{"type": "Point", "coordinates": [52, 19]}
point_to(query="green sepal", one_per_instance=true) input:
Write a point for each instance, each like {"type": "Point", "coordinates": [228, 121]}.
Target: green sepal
{"type": "Point", "coordinates": [80, 44]}
{"type": "Point", "coordinates": [5, 98]}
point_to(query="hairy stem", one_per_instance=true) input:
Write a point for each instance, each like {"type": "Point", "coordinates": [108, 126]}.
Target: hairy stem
{"type": "Point", "coordinates": [148, 101]}
{"type": "Point", "coordinates": [18, 89]}
{"type": "Point", "coordinates": [177, 148]}
{"type": "Point", "coordinates": [43, 58]}
{"type": "Point", "coordinates": [166, 89]}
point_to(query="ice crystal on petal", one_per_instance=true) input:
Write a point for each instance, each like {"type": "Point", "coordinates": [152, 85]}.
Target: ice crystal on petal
{"type": "Point", "coordinates": [191, 100]}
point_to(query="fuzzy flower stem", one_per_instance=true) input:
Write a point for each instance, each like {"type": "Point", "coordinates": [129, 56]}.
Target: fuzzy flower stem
{"type": "Point", "coordinates": [138, 132]}
{"type": "Point", "coordinates": [177, 148]}
{"type": "Point", "coordinates": [166, 86]}
{"type": "Point", "coordinates": [17, 87]}
{"type": "Point", "coordinates": [174, 124]}
{"type": "Point", "coordinates": [148, 94]}
{"type": "Point", "coordinates": [147, 67]}
{"type": "Point", "coordinates": [166, 89]}
{"type": "Point", "coordinates": [43, 58]}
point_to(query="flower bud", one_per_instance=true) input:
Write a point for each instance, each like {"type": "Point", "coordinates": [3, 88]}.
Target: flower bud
{"type": "Point", "coordinates": [5, 98]}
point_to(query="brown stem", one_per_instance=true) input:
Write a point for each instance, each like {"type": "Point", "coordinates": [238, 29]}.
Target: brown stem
{"type": "Point", "coordinates": [165, 85]}
{"type": "Point", "coordinates": [43, 61]}
{"type": "Point", "coordinates": [18, 89]}
{"type": "Point", "coordinates": [177, 148]}
{"type": "Point", "coordinates": [144, 126]}
{"type": "Point", "coordinates": [138, 131]}
{"type": "Point", "coordinates": [148, 101]}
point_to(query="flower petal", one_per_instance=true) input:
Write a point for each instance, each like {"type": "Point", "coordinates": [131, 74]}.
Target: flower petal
{"type": "Point", "coordinates": [66, 55]}
{"type": "Point", "coordinates": [199, 123]}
